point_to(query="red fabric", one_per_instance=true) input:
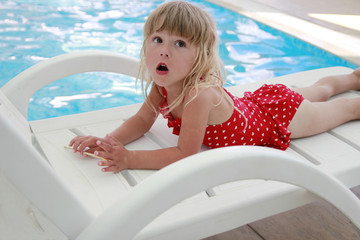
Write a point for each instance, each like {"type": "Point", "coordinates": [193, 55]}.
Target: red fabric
{"type": "Point", "coordinates": [268, 110]}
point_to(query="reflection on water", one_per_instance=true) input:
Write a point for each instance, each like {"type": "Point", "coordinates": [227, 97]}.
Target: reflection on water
{"type": "Point", "coordinates": [35, 30]}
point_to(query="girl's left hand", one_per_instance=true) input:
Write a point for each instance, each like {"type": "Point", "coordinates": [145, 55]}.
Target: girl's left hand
{"type": "Point", "coordinates": [116, 154]}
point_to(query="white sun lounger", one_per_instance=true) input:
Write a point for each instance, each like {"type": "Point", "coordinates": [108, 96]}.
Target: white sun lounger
{"type": "Point", "coordinates": [51, 193]}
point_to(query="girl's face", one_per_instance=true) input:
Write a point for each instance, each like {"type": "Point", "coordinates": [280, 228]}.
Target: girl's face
{"type": "Point", "coordinates": [169, 58]}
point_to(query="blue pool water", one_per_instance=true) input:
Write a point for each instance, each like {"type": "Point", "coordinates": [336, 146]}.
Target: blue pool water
{"type": "Point", "coordinates": [34, 30]}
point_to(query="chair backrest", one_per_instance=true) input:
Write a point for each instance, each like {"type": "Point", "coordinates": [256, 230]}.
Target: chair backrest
{"type": "Point", "coordinates": [32, 175]}
{"type": "Point", "coordinates": [19, 89]}
{"type": "Point", "coordinates": [23, 165]}
{"type": "Point", "coordinates": [13, 114]}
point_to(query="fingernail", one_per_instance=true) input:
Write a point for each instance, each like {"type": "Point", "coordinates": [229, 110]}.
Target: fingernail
{"type": "Point", "coordinates": [96, 153]}
{"type": "Point", "coordinates": [98, 142]}
{"type": "Point", "coordinates": [99, 163]}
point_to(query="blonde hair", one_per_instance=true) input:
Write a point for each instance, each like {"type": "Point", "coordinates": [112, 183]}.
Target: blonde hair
{"type": "Point", "coordinates": [188, 21]}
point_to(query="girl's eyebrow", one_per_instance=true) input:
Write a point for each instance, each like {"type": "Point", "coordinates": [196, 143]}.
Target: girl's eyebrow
{"type": "Point", "coordinates": [177, 37]}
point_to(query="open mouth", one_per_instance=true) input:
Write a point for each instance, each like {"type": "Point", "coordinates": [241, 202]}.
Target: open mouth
{"type": "Point", "coordinates": [162, 68]}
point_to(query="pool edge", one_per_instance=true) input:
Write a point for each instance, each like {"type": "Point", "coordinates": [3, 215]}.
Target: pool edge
{"type": "Point", "coordinates": [337, 43]}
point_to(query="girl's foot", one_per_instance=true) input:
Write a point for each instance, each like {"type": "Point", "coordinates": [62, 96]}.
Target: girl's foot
{"type": "Point", "coordinates": [356, 72]}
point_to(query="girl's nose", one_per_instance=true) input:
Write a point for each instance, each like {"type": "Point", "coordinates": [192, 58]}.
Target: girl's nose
{"type": "Point", "coordinates": [164, 51]}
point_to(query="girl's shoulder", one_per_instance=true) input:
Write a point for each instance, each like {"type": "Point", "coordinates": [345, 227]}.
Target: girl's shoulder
{"type": "Point", "coordinates": [211, 94]}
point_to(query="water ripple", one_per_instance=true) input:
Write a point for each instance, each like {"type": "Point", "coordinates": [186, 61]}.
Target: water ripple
{"type": "Point", "coordinates": [32, 31]}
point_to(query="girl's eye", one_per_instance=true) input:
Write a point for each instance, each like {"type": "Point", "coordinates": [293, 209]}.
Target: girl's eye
{"type": "Point", "coordinates": [180, 43]}
{"type": "Point", "coordinates": [157, 40]}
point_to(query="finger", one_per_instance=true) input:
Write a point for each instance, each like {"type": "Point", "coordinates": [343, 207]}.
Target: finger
{"type": "Point", "coordinates": [109, 166]}
{"type": "Point", "coordinates": [105, 146]}
{"type": "Point", "coordinates": [79, 143]}
{"type": "Point", "coordinates": [113, 169]}
{"type": "Point", "coordinates": [75, 142]}
{"type": "Point", "coordinates": [72, 142]}
{"type": "Point", "coordinates": [106, 165]}
{"type": "Point", "coordinates": [102, 155]}
{"type": "Point", "coordinates": [85, 144]}
{"type": "Point", "coordinates": [92, 150]}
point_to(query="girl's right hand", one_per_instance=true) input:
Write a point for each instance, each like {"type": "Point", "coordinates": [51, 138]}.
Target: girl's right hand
{"type": "Point", "coordinates": [85, 143]}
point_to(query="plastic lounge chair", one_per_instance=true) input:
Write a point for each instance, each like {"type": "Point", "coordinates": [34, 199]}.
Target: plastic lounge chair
{"type": "Point", "coordinates": [67, 197]}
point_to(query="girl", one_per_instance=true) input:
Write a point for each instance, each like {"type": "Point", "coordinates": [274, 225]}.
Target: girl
{"type": "Point", "coordinates": [181, 66]}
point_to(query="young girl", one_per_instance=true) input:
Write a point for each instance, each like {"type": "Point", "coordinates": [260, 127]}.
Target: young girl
{"type": "Point", "coordinates": [181, 66]}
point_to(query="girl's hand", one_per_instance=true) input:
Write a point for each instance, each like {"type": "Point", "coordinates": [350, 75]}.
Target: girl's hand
{"type": "Point", "coordinates": [88, 143]}
{"type": "Point", "coordinates": [116, 154]}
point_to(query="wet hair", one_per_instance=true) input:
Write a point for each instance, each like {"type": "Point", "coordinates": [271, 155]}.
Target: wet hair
{"type": "Point", "coordinates": [186, 20]}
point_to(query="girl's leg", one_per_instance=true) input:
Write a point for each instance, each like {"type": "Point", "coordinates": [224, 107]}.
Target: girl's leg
{"type": "Point", "coordinates": [326, 87]}
{"type": "Point", "coordinates": [316, 117]}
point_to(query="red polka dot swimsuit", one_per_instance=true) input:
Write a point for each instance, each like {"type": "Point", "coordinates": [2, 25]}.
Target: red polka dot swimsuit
{"type": "Point", "coordinates": [268, 111]}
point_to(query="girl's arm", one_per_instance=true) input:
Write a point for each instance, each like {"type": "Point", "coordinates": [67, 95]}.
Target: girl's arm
{"type": "Point", "coordinates": [133, 128]}
{"type": "Point", "coordinates": [139, 124]}
{"type": "Point", "coordinates": [194, 121]}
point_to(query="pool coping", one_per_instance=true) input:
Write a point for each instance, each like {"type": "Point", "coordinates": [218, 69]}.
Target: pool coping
{"type": "Point", "coordinates": [337, 43]}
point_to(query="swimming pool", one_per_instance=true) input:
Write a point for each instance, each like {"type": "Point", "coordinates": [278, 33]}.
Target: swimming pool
{"type": "Point", "coordinates": [34, 30]}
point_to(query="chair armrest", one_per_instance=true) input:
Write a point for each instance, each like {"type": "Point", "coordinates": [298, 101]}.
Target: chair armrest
{"type": "Point", "coordinates": [210, 168]}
